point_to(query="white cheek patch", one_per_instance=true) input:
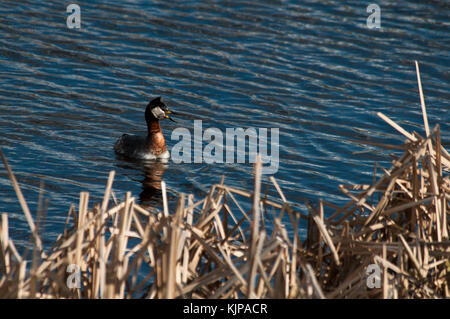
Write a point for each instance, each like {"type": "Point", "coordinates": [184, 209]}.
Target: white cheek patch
{"type": "Point", "coordinates": [157, 112]}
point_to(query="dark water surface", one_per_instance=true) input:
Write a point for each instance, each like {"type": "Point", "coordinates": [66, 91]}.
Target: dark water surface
{"type": "Point", "coordinates": [310, 68]}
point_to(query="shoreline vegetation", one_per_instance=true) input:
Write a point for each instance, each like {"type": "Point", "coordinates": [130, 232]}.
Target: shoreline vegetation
{"type": "Point", "coordinates": [390, 240]}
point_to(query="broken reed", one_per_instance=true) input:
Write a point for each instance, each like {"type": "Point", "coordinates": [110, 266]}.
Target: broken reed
{"type": "Point", "coordinates": [213, 248]}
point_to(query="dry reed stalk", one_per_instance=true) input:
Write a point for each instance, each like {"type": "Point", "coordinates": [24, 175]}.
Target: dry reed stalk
{"type": "Point", "coordinates": [22, 202]}
{"type": "Point", "coordinates": [327, 238]}
{"type": "Point", "coordinates": [254, 228]}
{"type": "Point", "coordinates": [5, 257]}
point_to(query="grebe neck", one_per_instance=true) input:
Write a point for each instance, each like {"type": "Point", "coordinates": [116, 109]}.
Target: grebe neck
{"type": "Point", "coordinates": [153, 127]}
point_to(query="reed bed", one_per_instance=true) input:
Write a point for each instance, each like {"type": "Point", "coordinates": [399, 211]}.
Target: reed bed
{"type": "Point", "coordinates": [213, 248]}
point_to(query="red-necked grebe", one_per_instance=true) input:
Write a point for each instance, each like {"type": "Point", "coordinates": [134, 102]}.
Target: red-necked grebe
{"type": "Point", "coordinates": [152, 146]}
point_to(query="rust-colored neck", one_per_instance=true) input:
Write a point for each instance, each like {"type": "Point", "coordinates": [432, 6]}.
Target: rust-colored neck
{"type": "Point", "coordinates": [153, 126]}
{"type": "Point", "coordinates": [155, 137]}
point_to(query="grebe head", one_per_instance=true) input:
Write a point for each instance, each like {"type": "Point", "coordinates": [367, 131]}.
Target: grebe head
{"type": "Point", "coordinates": [157, 110]}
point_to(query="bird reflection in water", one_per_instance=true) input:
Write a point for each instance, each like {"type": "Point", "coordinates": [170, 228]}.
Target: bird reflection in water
{"type": "Point", "coordinates": [150, 174]}
{"type": "Point", "coordinates": [151, 184]}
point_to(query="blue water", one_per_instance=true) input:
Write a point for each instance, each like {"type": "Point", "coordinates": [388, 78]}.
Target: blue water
{"type": "Point", "coordinates": [312, 69]}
